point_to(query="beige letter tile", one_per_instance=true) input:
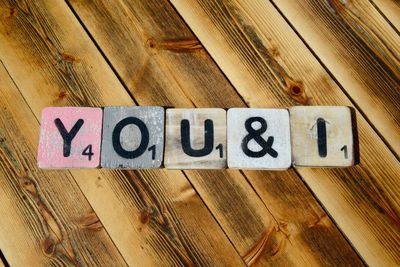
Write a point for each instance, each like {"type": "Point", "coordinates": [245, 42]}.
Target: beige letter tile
{"type": "Point", "coordinates": [195, 138]}
{"type": "Point", "coordinates": [322, 136]}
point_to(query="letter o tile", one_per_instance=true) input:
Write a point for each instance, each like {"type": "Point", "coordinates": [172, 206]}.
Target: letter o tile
{"type": "Point", "coordinates": [133, 137]}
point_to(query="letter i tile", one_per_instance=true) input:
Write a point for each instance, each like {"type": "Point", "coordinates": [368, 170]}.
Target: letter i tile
{"type": "Point", "coordinates": [322, 136]}
{"type": "Point", "coordinates": [70, 137]}
{"type": "Point", "coordinates": [195, 138]}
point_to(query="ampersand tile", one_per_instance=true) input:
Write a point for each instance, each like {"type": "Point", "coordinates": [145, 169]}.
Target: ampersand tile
{"type": "Point", "coordinates": [258, 138]}
{"type": "Point", "coordinates": [322, 136]}
{"type": "Point", "coordinates": [70, 137]}
{"type": "Point", "coordinates": [195, 138]}
{"type": "Point", "coordinates": [133, 137]}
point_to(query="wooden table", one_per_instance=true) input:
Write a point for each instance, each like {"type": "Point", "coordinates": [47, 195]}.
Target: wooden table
{"type": "Point", "coordinates": [200, 53]}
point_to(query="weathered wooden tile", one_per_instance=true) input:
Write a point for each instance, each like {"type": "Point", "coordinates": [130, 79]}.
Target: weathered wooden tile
{"type": "Point", "coordinates": [70, 137]}
{"type": "Point", "coordinates": [133, 137]}
{"type": "Point", "coordinates": [195, 138]}
{"type": "Point", "coordinates": [322, 136]}
{"type": "Point", "coordinates": [259, 138]}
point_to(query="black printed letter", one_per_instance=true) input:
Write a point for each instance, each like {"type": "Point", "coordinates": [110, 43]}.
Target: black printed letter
{"type": "Point", "coordinates": [117, 134]}
{"type": "Point", "coordinates": [208, 139]}
{"type": "Point", "coordinates": [68, 136]}
{"type": "Point", "coordinates": [321, 133]}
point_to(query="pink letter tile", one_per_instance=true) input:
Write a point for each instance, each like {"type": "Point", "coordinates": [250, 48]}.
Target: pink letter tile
{"type": "Point", "coordinates": [80, 124]}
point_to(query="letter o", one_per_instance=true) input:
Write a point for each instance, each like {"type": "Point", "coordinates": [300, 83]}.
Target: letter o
{"type": "Point", "coordinates": [117, 134]}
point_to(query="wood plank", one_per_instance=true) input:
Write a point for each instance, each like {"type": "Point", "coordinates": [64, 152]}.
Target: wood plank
{"type": "Point", "coordinates": [152, 216]}
{"type": "Point", "coordinates": [270, 66]}
{"type": "Point", "coordinates": [41, 222]}
{"type": "Point", "coordinates": [252, 221]}
{"type": "Point", "coordinates": [361, 50]}
{"type": "Point", "coordinates": [148, 43]}
{"type": "Point", "coordinates": [391, 9]}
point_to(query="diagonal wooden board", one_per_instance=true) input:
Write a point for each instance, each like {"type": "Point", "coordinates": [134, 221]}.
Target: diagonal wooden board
{"type": "Point", "coordinates": [103, 201]}
{"type": "Point", "coordinates": [154, 217]}
{"type": "Point", "coordinates": [361, 50]}
{"type": "Point", "coordinates": [270, 66]}
{"type": "Point", "coordinates": [169, 62]}
{"type": "Point", "coordinates": [390, 9]}
{"type": "Point", "coordinates": [41, 223]}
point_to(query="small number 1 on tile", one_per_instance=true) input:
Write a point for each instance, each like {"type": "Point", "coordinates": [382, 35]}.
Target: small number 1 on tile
{"type": "Point", "coordinates": [344, 149]}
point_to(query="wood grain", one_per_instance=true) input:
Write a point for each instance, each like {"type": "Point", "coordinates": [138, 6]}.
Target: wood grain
{"type": "Point", "coordinates": [361, 50]}
{"type": "Point", "coordinates": [200, 80]}
{"type": "Point", "coordinates": [153, 216]}
{"type": "Point", "coordinates": [391, 9]}
{"type": "Point", "coordinates": [310, 147]}
{"type": "Point", "coordinates": [176, 157]}
{"type": "Point", "coordinates": [41, 222]}
{"type": "Point", "coordinates": [270, 66]}
{"type": "Point", "coordinates": [160, 61]}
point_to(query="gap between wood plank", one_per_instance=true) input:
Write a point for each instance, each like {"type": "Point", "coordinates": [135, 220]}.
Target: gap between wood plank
{"type": "Point", "coordinates": [137, 103]}
{"type": "Point", "coordinates": [3, 259]}
{"type": "Point", "coordinates": [333, 220]}
{"type": "Point", "coordinates": [212, 214]}
{"type": "Point", "coordinates": [298, 174]}
{"type": "Point", "coordinates": [384, 16]}
{"type": "Point", "coordinates": [101, 52]}
{"type": "Point", "coordinates": [37, 120]}
{"type": "Point", "coordinates": [239, 95]}
{"type": "Point", "coordinates": [245, 103]}
{"type": "Point", "coordinates": [368, 123]}
{"type": "Point", "coordinates": [320, 204]}
{"type": "Point", "coordinates": [117, 74]}
{"type": "Point", "coordinates": [386, 142]}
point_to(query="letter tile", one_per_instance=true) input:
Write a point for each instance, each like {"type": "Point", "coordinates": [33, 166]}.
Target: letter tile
{"type": "Point", "coordinates": [133, 137]}
{"type": "Point", "coordinates": [195, 138]}
{"type": "Point", "coordinates": [259, 138]}
{"type": "Point", "coordinates": [70, 137]}
{"type": "Point", "coordinates": [322, 136]}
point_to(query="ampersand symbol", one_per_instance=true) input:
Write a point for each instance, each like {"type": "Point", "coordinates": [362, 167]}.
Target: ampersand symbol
{"type": "Point", "coordinates": [256, 135]}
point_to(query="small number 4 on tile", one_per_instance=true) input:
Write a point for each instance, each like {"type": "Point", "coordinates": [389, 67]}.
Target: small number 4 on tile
{"type": "Point", "coordinates": [322, 136]}
{"type": "Point", "coordinates": [70, 137]}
